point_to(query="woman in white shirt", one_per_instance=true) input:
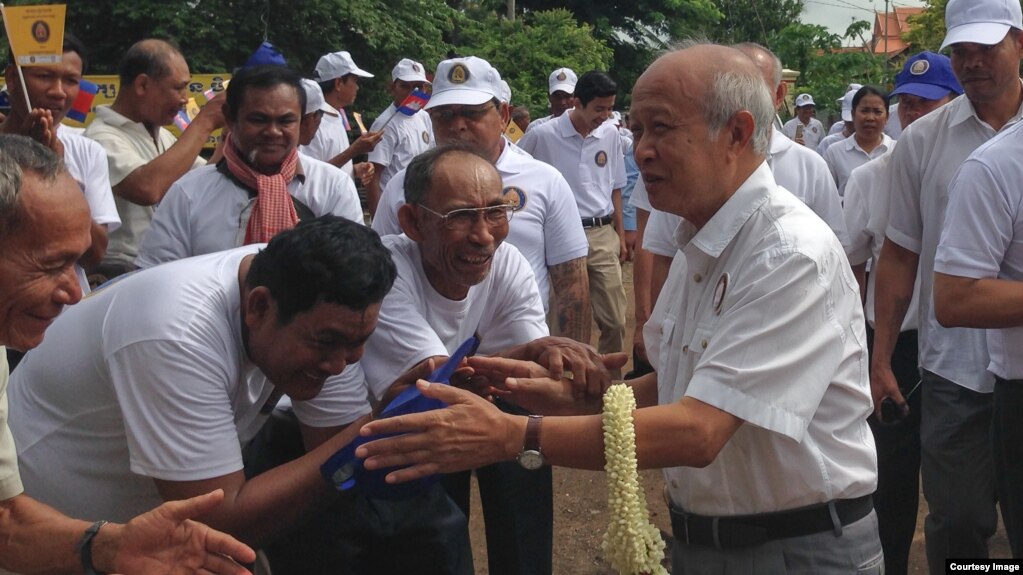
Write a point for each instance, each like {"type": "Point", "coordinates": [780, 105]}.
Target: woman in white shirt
{"type": "Point", "coordinates": [870, 113]}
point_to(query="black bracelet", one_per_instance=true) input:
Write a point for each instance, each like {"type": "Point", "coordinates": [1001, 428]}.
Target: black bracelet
{"type": "Point", "coordinates": [85, 548]}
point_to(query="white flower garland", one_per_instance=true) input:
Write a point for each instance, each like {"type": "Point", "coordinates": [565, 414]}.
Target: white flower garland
{"type": "Point", "coordinates": [631, 543]}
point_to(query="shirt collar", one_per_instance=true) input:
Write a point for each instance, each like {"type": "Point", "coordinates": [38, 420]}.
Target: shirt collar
{"type": "Point", "coordinates": [723, 226]}
{"type": "Point", "coordinates": [965, 110]}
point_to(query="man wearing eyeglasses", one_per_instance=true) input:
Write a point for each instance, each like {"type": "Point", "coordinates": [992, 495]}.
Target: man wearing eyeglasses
{"type": "Point", "coordinates": [404, 136]}
{"type": "Point", "coordinates": [466, 107]}
{"type": "Point", "coordinates": [458, 277]}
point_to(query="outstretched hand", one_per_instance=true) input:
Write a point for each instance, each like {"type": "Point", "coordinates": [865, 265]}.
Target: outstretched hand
{"type": "Point", "coordinates": [470, 433]}
{"type": "Point", "coordinates": [530, 386]}
{"type": "Point", "coordinates": [590, 370]}
{"type": "Point", "coordinates": [166, 541]}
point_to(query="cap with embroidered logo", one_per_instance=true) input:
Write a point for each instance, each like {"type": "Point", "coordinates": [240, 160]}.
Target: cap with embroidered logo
{"type": "Point", "coordinates": [562, 80]}
{"type": "Point", "coordinates": [980, 21]}
{"type": "Point", "coordinates": [804, 100]}
{"type": "Point", "coordinates": [314, 98]}
{"type": "Point", "coordinates": [338, 65]}
{"type": "Point", "coordinates": [466, 81]}
{"type": "Point", "coordinates": [927, 75]}
{"type": "Point", "coordinates": [409, 71]}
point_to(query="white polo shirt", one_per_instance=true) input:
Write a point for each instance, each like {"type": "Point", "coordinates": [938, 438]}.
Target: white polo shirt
{"type": "Point", "coordinates": [405, 137]}
{"type": "Point", "coordinates": [928, 155]}
{"type": "Point", "coordinates": [86, 161]}
{"type": "Point", "coordinates": [129, 146]}
{"type": "Point", "coordinates": [539, 122]}
{"type": "Point", "coordinates": [867, 199]}
{"type": "Point", "coordinates": [10, 479]}
{"type": "Point", "coordinates": [797, 169]}
{"type": "Point", "coordinates": [330, 140]}
{"type": "Point", "coordinates": [798, 379]}
{"type": "Point", "coordinates": [547, 230]}
{"type": "Point", "coordinates": [207, 211]}
{"type": "Point", "coordinates": [593, 166]}
{"type": "Point", "coordinates": [416, 322]}
{"type": "Point", "coordinates": [983, 233]}
{"type": "Point", "coordinates": [813, 131]}
{"type": "Point", "coordinates": [846, 155]}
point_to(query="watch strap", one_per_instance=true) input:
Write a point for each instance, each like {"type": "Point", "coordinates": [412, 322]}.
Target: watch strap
{"type": "Point", "coordinates": [532, 440]}
{"type": "Point", "coordinates": [85, 548]}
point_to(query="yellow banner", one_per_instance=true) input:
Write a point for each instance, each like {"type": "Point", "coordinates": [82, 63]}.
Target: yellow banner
{"type": "Point", "coordinates": [36, 33]}
{"type": "Point", "coordinates": [109, 85]}
{"type": "Point", "coordinates": [513, 132]}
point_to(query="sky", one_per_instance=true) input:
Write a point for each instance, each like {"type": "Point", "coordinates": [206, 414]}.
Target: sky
{"type": "Point", "coordinates": [838, 14]}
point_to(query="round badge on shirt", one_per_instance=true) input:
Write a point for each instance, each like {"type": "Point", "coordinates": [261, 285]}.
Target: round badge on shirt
{"type": "Point", "coordinates": [601, 158]}
{"type": "Point", "coordinates": [514, 197]}
{"type": "Point", "coordinates": [426, 137]}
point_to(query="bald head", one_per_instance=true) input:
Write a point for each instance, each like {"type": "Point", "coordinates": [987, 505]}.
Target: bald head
{"type": "Point", "coordinates": [152, 57]}
{"type": "Point", "coordinates": [769, 66]}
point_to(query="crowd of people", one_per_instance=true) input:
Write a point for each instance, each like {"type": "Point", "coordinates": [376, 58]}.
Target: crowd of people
{"type": "Point", "coordinates": [822, 320]}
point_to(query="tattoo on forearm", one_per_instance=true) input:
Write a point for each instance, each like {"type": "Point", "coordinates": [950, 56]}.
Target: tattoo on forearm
{"type": "Point", "coordinates": [571, 288]}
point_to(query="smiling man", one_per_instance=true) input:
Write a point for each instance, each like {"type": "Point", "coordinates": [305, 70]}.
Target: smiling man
{"type": "Point", "coordinates": [144, 159]}
{"type": "Point", "coordinates": [117, 411]}
{"type": "Point", "coordinates": [262, 186]}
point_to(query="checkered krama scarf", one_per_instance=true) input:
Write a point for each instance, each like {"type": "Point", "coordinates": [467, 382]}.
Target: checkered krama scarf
{"type": "Point", "coordinates": [273, 212]}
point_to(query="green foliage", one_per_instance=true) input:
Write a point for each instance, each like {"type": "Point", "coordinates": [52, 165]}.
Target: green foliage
{"type": "Point", "coordinates": [526, 50]}
{"type": "Point", "coordinates": [825, 69]}
{"type": "Point", "coordinates": [745, 21]}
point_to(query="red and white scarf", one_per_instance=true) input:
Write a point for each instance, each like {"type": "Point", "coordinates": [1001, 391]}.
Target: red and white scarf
{"type": "Point", "coordinates": [273, 211]}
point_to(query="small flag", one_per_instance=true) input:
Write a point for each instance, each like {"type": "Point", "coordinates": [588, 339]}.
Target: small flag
{"type": "Point", "coordinates": [414, 102]}
{"type": "Point", "coordinates": [182, 120]}
{"type": "Point", "coordinates": [209, 94]}
{"type": "Point", "coordinates": [192, 109]}
{"type": "Point", "coordinates": [35, 33]}
{"type": "Point", "coordinates": [513, 132]}
{"type": "Point", "coordinates": [344, 120]}
{"type": "Point", "coordinates": [212, 91]}
{"type": "Point", "coordinates": [82, 105]}
{"type": "Point", "coordinates": [358, 120]}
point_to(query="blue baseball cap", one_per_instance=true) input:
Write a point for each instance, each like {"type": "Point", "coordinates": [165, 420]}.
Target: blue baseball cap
{"type": "Point", "coordinates": [927, 75]}
{"type": "Point", "coordinates": [266, 54]}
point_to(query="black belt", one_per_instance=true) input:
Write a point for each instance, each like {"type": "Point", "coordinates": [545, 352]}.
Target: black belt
{"type": "Point", "coordinates": [750, 530]}
{"type": "Point", "coordinates": [597, 222]}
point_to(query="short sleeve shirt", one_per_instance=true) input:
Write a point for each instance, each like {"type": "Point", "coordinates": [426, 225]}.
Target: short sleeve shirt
{"type": "Point", "coordinates": [799, 380]}
{"type": "Point", "coordinates": [129, 146]}
{"type": "Point", "coordinates": [983, 233]}
{"type": "Point", "coordinates": [929, 152]}
{"type": "Point", "coordinates": [208, 211]}
{"type": "Point", "coordinates": [330, 140]}
{"type": "Point", "coordinates": [547, 229]}
{"type": "Point", "coordinates": [846, 155]}
{"type": "Point", "coordinates": [593, 166]}
{"type": "Point", "coordinates": [405, 137]}
{"type": "Point", "coordinates": [813, 132]}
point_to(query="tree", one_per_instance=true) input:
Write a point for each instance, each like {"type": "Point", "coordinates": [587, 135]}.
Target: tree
{"type": "Point", "coordinates": [745, 21]}
{"type": "Point", "coordinates": [927, 29]}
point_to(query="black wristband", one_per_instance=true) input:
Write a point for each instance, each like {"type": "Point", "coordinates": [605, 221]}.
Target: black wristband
{"type": "Point", "coordinates": [85, 548]}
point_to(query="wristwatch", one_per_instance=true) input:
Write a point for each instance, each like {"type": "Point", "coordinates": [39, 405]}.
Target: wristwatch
{"type": "Point", "coordinates": [530, 456]}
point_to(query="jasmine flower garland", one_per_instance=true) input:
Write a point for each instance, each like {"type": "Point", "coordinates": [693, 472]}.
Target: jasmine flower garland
{"type": "Point", "coordinates": [631, 543]}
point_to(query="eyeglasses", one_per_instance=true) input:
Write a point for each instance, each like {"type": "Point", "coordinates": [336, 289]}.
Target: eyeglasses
{"type": "Point", "coordinates": [463, 219]}
{"type": "Point", "coordinates": [445, 114]}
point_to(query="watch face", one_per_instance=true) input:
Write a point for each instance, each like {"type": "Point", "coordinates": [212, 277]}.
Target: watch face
{"type": "Point", "coordinates": [531, 459]}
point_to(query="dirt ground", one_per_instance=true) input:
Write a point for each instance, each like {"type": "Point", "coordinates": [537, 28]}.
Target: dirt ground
{"type": "Point", "coordinates": [580, 513]}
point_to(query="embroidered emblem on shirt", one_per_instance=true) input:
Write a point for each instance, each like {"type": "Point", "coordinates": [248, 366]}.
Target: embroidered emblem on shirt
{"type": "Point", "coordinates": [601, 158]}
{"type": "Point", "coordinates": [459, 74]}
{"type": "Point", "coordinates": [426, 137]}
{"type": "Point", "coordinates": [919, 67]}
{"type": "Point", "coordinates": [514, 197]}
{"type": "Point", "coordinates": [719, 293]}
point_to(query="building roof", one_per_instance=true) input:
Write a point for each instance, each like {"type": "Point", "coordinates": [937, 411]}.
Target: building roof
{"type": "Point", "coordinates": [889, 28]}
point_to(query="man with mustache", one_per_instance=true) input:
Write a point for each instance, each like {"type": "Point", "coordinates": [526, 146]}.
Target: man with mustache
{"type": "Point", "coordinates": [956, 464]}
{"type": "Point", "coordinates": [262, 186]}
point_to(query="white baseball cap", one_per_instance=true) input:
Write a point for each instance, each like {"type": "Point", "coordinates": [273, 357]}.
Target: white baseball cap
{"type": "Point", "coordinates": [409, 71]}
{"type": "Point", "coordinates": [467, 81]}
{"type": "Point", "coordinates": [847, 100]}
{"type": "Point", "coordinates": [505, 92]}
{"type": "Point", "coordinates": [980, 21]}
{"type": "Point", "coordinates": [314, 99]}
{"type": "Point", "coordinates": [337, 65]}
{"type": "Point", "coordinates": [804, 100]}
{"type": "Point", "coordinates": [563, 79]}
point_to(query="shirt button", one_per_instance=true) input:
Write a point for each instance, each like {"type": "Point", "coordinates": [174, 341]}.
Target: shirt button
{"type": "Point", "coordinates": [674, 484]}
{"type": "Point", "coordinates": [697, 278]}
{"type": "Point", "coordinates": [703, 344]}
{"type": "Point", "coordinates": [685, 348]}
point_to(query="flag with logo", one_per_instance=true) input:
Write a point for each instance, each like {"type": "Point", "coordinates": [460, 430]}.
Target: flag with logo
{"type": "Point", "coordinates": [35, 33]}
{"type": "Point", "coordinates": [82, 105]}
{"type": "Point", "coordinates": [414, 102]}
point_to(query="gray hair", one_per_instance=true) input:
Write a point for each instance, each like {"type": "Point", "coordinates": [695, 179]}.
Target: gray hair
{"type": "Point", "coordinates": [19, 154]}
{"type": "Point", "coordinates": [750, 48]}
{"type": "Point", "coordinates": [419, 174]}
